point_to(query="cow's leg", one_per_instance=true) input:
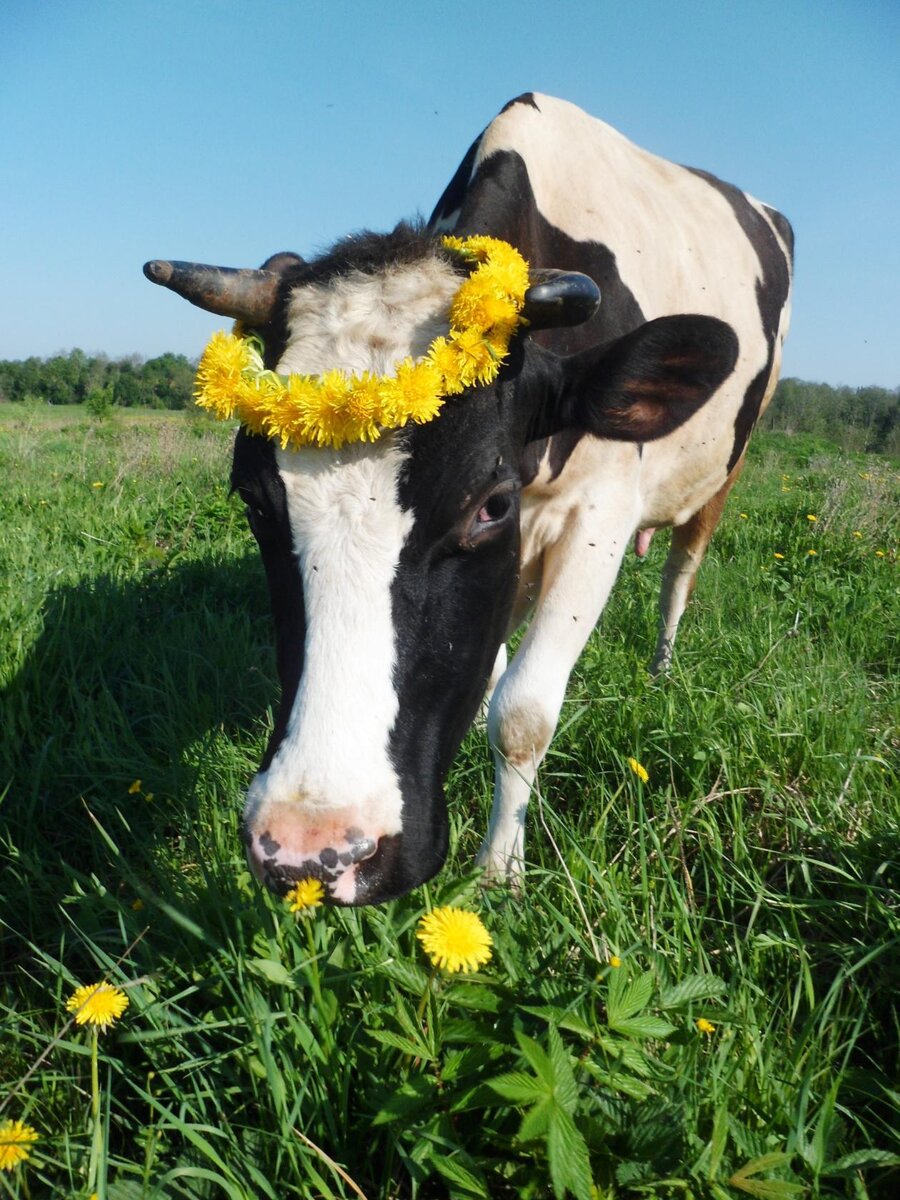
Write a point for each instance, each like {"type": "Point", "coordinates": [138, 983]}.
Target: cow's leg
{"type": "Point", "coordinates": [579, 571]}
{"type": "Point", "coordinates": [689, 543]}
{"type": "Point", "coordinates": [497, 672]}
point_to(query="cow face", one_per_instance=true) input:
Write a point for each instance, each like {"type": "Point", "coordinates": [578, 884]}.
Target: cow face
{"type": "Point", "coordinates": [392, 566]}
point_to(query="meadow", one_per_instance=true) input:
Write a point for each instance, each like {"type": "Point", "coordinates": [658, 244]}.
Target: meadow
{"type": "Point", "coordinates": [696, 994]}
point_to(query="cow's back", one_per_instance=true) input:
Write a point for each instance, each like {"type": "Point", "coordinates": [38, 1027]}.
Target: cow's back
{"type": "Point", "coordinates": [659, 239]}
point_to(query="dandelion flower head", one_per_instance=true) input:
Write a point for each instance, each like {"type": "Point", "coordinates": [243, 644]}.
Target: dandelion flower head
{"type": "Point", "coordinates": [16, 1140]}
{"type": "Point", "coordinates": [308, 893]}
{"type": "Point", "coordinates": [98, 1004]}
{"type": "Point", "coordinates": [455, 939]}
{"type": "Point", "coordinates": [705, 1026]}
{"type": "Point", "coordinates": [640, 771]}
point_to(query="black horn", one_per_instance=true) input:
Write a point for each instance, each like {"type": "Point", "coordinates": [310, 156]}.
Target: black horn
{"type": "Point", "coordinates": [248, 296]}
{"type": "Point", "coordinates": [558, 299]}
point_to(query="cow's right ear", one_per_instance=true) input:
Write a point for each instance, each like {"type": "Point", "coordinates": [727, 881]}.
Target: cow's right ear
{"type": "Point", "coordinates": [648, 382]}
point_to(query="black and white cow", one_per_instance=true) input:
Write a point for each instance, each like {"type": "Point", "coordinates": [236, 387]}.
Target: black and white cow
{"type": "Point", "coordinates": [397, 569]}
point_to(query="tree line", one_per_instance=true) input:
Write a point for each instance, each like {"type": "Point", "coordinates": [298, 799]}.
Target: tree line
{"type": "Point", "coordinates": [99, 381]}
{"type": "Point", "coordinates": [865, 418]}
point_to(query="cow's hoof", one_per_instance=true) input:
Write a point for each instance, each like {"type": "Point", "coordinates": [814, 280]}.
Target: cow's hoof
{"type": "Point", "coordinates": [499, 871]}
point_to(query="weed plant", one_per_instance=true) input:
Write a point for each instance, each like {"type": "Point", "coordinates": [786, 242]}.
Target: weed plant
{"type": "Point", "coordinates": [695, 996]}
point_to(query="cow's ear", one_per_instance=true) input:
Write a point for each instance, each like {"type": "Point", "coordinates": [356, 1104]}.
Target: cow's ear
{"type": "Point", "coordinates": [649, 382]}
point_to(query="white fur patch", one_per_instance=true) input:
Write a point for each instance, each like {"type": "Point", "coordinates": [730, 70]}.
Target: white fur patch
{"type": "Point", "coordinates": [369, 322]}
{"type": "Point", "coordinates": [348, 530]}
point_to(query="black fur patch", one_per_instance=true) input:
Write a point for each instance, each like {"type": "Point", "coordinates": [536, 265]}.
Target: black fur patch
{"type": "Point", "coordinates": [771, 292]}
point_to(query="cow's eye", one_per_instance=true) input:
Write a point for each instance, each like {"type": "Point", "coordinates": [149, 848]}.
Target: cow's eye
{"type": "Point", "coordinates": [491, 516]}
{"type": "Point", "coordinates": [495, 508]}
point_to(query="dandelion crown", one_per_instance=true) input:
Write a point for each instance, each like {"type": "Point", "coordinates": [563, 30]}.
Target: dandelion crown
{"type": "Point", "coordinates": [335, 408]}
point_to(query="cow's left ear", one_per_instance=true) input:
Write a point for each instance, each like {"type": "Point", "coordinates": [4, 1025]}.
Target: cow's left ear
{"type": "Point", "coordinates": [649, 382]}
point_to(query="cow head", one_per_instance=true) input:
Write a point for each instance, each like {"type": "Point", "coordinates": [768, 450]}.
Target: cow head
{"type": "Point", "coordinates": [392, 565]}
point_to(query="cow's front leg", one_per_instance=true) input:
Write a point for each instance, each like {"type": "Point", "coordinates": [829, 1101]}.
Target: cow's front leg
{"type": "Point", "coordinates": [579, 571]}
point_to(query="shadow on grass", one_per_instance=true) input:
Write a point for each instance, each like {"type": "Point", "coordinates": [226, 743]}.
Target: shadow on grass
{"type": "Point", "coordinates": [166, 680]}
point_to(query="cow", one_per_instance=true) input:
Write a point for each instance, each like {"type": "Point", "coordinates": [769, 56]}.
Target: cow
{"type": "Point", "coordinates": [398, 567]}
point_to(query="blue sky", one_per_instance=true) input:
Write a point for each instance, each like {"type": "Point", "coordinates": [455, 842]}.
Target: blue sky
{"type": "Point", "coordinates": [223, 131]}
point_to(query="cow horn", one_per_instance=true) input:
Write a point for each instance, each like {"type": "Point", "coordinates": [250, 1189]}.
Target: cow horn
{"type": "Point", "coordinates": [248, 296]}
{"type": "Point", "coordinates": [558, 299]}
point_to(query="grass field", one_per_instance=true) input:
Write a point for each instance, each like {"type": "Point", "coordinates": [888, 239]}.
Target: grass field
{"type": "Point", "coordinates": [749, 884]}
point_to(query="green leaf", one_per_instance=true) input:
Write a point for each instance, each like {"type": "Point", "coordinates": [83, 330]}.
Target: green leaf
{"type": "Point", "coordinates": [765, 1189]}
{"type": "Point", "coordinates": [536, 1121]}
{"type": "Point", "coordinates": [474, 996]}
{"type": "Point", "coordinates": [626, 998]}
{"type": "Point", "coordinates": [270, 969]}
{"type": "Point", "coordinates": [398, 1042]}
{"type": "Point", "coordinates": [564, 1087]}
{"type": "Point", "coordinates": [518, 1088]}
{"type": "Point", "coordinates": [407, 976]}
{"type": "Point", "coordinates": [861, 1160]}
{"type": "Point", "coordinates": [645, 1026]}
{"type": "Point", "coordinates": [718, 1140]}
{"type": "Point", "coordinates": [765, 1162]}
{"type": "Point", "coordinates": [691, 988]}
{"type": "Point", "coordinates": [461, 1173]}
{"type": "Point", "coordinates": [567, 1154]}
{"type": "Point", "coordinates": [414, 1031]}
{"type": "Point", "coordinates": [562, 1019]}
{"type": "Point", "coordinates": [537, 1059]}
{"type": "Point", "coordinates": [411, 1098]}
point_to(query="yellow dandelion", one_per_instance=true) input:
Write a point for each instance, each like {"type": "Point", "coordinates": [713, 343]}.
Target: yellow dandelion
{"type": "Point", "coordinates": [220, 373]}
{"type": "Point", "coordinates": [446, 359]}
{"type": "Point", "coordinates": [812, 552]}
{"type": "Point", "coordinates": [98, 1004]}
{"type": "Point", "coordinates": [476, 358]}
{"type": "Point", "coordinates": [98, 483]}
{"type": "Point", "coordinates": [364, 408]}
{"type": "Point", "coordinates": [16, 1140]}
{"type": "Point", "coordinates": [615, 961]}
{"type": "Point", "coordinates": [455, 939]}
{"type": "Point", "coordinates": [308, 893]}
{"type": "Point", "coordinates": [777, 555]}
{"type": "Point", "coordinates": [857, 533]}
{"type": "Point", "coordinates": [705, 1026]}
{"type": "Point", "coordinates": [879, 554]}
{"type": "Point", "coordinates": [481, 308]}
{"type": "Point", "coordinates": [416, 395]}
{"type": "Point", "coordinates": [640, 771]}
{"type": "Point", "coordinates": [743, 516]}
{"type": "Point", "coordinates": [134, 788]}
{"type": "Point", "coordinates": [326, 413]}
{"type": "Point", "coordinates": [811, 517]}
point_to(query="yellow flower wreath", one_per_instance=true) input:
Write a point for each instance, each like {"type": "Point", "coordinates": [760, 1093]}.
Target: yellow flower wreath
{"type": "Point", "coordinates": [334, 408]}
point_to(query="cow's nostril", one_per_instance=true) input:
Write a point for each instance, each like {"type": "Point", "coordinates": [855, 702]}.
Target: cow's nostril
{"type": "Point", "coordinates": [362, 849]}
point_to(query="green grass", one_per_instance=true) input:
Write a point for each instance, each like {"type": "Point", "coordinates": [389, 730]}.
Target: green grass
{"type": "Point", "coordinates": [751, 882]}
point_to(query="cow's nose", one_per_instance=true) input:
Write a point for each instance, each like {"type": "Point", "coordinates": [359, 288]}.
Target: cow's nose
{"type": "Point", "coordinates": [283, 858]}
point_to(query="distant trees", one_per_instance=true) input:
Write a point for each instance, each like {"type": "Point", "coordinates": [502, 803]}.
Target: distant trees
{"type": "Point", "coordinates": [866, 418]}
{"type": "Point", "coordinates": [163, 382]}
